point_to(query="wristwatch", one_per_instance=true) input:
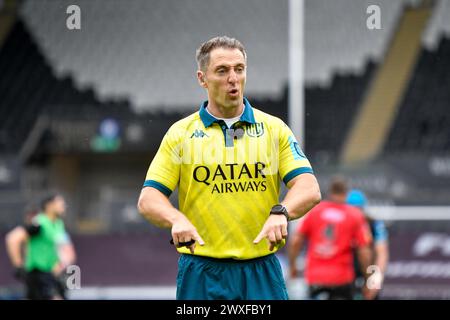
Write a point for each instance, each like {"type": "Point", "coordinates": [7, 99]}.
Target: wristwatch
{"type": "Point", "coordinates": [280, 209]}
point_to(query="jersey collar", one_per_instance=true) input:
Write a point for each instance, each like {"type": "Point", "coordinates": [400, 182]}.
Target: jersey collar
{"type": "Point", "coordinates": [208, 119]}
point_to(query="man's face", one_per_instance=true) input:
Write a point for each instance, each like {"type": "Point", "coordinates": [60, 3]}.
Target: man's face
{"type": "Point", "coordinates": [58, 206]}
{"type": "Point", "coordinates": [224, 77]}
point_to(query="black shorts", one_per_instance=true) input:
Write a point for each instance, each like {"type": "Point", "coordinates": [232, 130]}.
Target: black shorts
{"type": "Point", "coordinates": [343, 292]}
{"type": "Point", "coordinates": [41, 286]}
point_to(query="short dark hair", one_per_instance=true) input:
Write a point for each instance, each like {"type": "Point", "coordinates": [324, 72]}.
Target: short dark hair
{"type": "Point", "coordinates": [203, 52]}
{"type": "Point", "coordinates": [50, 197]}
{"type": "Point", "coordinates": [338, 185]}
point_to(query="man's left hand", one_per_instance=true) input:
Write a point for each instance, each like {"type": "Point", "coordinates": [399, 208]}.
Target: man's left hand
{"type": "Point", "coordinates": [57, 269]}
{"type": "Point", "coordinates": [275, 230]}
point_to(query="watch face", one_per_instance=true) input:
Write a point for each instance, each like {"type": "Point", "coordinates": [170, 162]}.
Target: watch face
{"type": "Point", "coordinates": [277, 208]}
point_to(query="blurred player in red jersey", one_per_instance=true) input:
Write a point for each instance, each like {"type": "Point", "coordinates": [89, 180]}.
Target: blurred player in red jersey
{"type": "Point", "coordinates": [332, 230]}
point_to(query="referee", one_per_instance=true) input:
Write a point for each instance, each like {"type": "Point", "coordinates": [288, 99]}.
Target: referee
{"type": "Point", "coordinates": [48, 251]}
{"type": "Point", "coordinates": [227, 160]}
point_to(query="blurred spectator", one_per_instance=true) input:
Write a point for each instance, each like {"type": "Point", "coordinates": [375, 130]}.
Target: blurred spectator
{"type": "Point", "coordinates": [380, 250]}
{"type": "Point", "coordinates": [332, 230]}
{"type": "Point", "coordinates": [48, 250]}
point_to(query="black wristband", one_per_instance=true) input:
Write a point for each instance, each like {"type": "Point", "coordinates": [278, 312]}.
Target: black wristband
{"type": "Point", "coordinates": [279, 209]}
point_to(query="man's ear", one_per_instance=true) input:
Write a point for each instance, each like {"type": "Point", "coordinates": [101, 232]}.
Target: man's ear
{"type": "Point", "coordinates": [201, 79]}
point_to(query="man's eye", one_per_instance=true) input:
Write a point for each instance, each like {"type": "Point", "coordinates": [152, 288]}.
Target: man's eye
{"type": "Point", "coordinates": [221, 71]}
{"type": "Point", "coordinates": [240, 69]}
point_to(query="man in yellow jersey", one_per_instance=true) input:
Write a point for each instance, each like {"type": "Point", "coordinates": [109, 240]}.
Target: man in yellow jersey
{"type": "Point", "coordinates": [227, 160]}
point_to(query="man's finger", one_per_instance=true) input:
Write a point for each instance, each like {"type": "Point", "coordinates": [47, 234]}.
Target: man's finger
{"type": "Point", "coordinates": [192, 248]}
{"type": "Point", "coordinates": [284, 231]}
{"type": "Point", "coordinates": [272, 245]}
{"type": "Point", "coordinates": [175, 241]}
{"type": "Point", "coordinates": [199, 239]}
{"type": "Point", "coordinates": [183, 243]}
{"type": "Point", "coordinates": [272, 238]}
{"type": "Point", "coordinates": [187, 243]}
{"type": "Point", "coordinates": [278, 235]}
{"type": "Point", "coordinates": [259, 237]}
{"type": "Point", "coordinates": [182, 239]}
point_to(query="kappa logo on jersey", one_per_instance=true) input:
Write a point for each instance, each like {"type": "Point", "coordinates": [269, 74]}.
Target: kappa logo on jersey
{"type": "Point", "coordinates": [255, 130]}
{"type": "Point", "coordinates": [198, 134]}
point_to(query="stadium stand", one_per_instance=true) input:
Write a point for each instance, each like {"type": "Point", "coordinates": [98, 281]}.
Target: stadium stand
{"type": "Point", "coordinates": [331, 110]}
{"type": "Point", "coordinates": [102, 62]}
{"type": "Point", "coordinates": [367, 136]}
{"type": "Point", "coordinates": [422, 121]}
{"type": "Point", "coordinates": [28, 87]}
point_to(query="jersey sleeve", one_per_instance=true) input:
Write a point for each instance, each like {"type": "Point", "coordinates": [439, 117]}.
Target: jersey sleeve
{"type": "Point", "coordinates": [164, 171]}
{"type": "Point", "coordinates": [292, 161]}
{"type": "Point", "coordinates": [32, 229]}
{"type": "Point", "coordinates": [380, 233]}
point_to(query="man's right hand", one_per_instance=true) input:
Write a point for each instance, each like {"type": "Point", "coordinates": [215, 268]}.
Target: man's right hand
{"type": "Point", "coordinates": [184, 231]}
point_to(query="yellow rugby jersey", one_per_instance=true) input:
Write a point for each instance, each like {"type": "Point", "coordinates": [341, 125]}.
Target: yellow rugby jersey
{"type": "Point", "coordinates": [228, 179]}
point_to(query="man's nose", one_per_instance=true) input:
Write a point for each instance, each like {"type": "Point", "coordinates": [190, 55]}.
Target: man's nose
{"type": "Point", "coordinates": [232, 77]}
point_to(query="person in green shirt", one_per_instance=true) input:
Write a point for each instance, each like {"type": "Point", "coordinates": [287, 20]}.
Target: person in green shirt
{"type": "Point", "coordinates": [42, 261]}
